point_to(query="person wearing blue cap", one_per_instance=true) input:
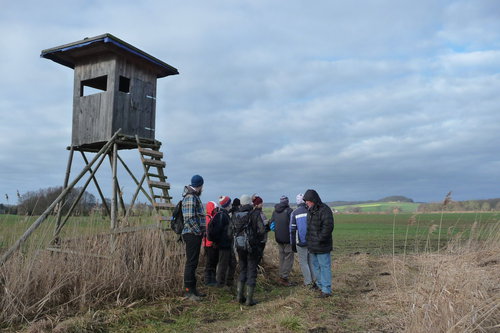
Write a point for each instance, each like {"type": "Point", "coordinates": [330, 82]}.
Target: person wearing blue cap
{"type": "Point", "coordinates": [192, 234]}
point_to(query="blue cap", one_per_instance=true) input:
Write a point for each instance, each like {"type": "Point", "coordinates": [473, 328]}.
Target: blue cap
{"type": "Point", "coordinates": [196, 181]}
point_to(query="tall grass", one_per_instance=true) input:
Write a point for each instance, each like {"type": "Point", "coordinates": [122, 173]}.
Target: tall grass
{"type": "Point", "coordinates": [88, 272]}
{"type": "Point", "coordinates": [456, 289]}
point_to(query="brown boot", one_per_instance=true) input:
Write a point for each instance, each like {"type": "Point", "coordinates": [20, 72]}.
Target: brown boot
{"type": "Point", "coordinates": [284, 282]}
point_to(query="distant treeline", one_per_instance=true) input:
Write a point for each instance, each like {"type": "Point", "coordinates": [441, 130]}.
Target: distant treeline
{"type": "Point", "coordinates": [456, 206]}
{"type": "Point", "coordinates": [35, 202]}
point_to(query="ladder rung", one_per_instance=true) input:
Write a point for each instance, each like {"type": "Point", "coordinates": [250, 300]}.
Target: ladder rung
{"type": "Point", "coordinates": [161, 197]}
{"type": "Point", "coordinates": [151, 152]}
{"type": "Point", "coordinates": [163, 177]}
{"type": "Point", "coordinates": [163, 205]}
{"type": "Point", "coordinates": [155, 163]}
{"type": "Point", "coordinates": [162, 185]}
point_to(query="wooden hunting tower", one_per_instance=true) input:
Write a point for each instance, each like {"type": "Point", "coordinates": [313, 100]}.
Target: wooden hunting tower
{"type": "Point", "coordinates": [114, 105]}
{"type": "Point", "coordinates": [114, 87]}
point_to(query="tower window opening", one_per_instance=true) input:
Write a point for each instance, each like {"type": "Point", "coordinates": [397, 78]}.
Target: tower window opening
{"type": "Point", "coordinates": [124, 84]}
{"type": "Point", "coordinates": [94, 86]}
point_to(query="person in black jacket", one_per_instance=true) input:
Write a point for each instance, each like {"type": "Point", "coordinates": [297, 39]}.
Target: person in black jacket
{"type": "Point", "coordinates": [281, 219]}
{"type": "Point", "coordinates": [319, 240]}
{"type": "Point", "coordinates": [227, 259]}
{"type": "Point", "coordinates": [248, 259]}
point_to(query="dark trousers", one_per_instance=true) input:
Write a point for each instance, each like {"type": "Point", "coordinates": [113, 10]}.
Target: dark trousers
{"type": "Point", "coordinates": [248, 267]}
{"type": "Point", "coordinates": [193, 246]}
{"type": "Point", "coordinates": [212, 258]}
{"type": "Point", "coordinates": [226, 267]}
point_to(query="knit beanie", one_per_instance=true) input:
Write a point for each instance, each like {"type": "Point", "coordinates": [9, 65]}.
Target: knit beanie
{"type": "Point", "coordinates": [257, 200]}
{"type": "Point", "coordinates": [245, 199]}
{"type": "Point", "coordinates": [284, 199]}
{"type": "Point", "coordinates": [224, 201]}
{"type": "Point", "coordinates": [196, 181]}
{"type": "Point", "coordinates": [300, 198]}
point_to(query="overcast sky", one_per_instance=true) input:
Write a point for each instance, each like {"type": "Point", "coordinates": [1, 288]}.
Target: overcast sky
{"type": "Point", "coordinates": [356, 99]}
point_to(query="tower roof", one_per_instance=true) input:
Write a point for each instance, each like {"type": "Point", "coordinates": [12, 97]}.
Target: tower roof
{"type": "Point", "coordinates": [70, 54]}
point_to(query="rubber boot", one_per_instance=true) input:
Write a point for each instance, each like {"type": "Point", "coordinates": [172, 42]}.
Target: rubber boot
{"type": "Point", "coordinates": [213, 279]}
{"type": "Point", "coordinates": [250, 301]}
{"type": "Point", "coordinates": [240, 292]}
{"type": "Point", "coordinates": [190, 294]}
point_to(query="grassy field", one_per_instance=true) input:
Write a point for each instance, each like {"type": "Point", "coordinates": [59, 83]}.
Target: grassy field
{"type": "Point", "coordinates": [374, 233]}
{"type": "Point", "coordinates": [374, 290]}
{"type": "Point", "coordinates": [403, 232]}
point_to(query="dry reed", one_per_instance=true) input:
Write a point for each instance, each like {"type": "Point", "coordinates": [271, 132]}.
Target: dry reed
{"type": "Point", "coordinates": [89, 272]}
{"type": "Point", "coordinates": [456, 290]}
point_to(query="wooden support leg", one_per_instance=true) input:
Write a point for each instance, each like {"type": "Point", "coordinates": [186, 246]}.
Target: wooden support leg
{"type": "Point", "coordinates": [113, 160]}
{"type": "Point", "coordinates": [65, 185]}
{"type": "Point", "coordinates": [114, 222]}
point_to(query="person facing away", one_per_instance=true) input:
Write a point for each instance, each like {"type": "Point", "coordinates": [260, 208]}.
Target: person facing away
{"type": "Point", "coordinates": [298, 231]}
{"type": "Point", "coordinates": [211, 250]}
{"type": "Point", "coordinates": [248, 259]}
{"type": "Point", "coordinates": [223, 239]}
{"type": "Point", "coordinates": [194, 228]}
{"type": "Point", "coordinates": [235, 206]}
{"type": "Point", "coordinates": [319, 239]}
{"type": "Point", "coordinates": [258, 203]}
{"type": "Point", "coordinates": [281, 218]}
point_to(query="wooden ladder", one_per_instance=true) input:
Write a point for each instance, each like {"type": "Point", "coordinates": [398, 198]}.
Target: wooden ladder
{"type": "Point", "coordinates": [151, 158]}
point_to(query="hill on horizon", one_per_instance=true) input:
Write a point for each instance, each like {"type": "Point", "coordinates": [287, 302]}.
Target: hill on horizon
{"type": "Point", "coordinates": [392, 198]}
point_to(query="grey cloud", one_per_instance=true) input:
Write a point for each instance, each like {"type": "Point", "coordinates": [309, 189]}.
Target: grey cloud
{"type": "Point", "coordinates": [400, 98]}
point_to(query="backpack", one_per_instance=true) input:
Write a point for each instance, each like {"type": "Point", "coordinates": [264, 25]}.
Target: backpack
{"type": "Point", "coordinates": [245, 237]}
{"type": "Point", "coordinates": [177, 219]}
{"type": "Point", "coordinates": [216, 227]}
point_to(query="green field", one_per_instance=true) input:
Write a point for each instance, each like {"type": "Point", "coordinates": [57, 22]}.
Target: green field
{"type": "Point", "coordinates": [385, 233]}
{"type": "Point", "coordinates": [366, 233]}
{"type": "Point", "coordinates": [405, 232]}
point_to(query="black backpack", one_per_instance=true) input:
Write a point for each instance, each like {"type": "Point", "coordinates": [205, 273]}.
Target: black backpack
{"type": "Point", "coordinates": [177, 220]}
{"type": "Point", "coordinates": [216, 227]}
{"type": "Point", "coordinates": [245, 235]}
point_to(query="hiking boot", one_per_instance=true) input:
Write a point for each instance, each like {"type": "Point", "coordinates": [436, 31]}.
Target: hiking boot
{"type": "Point", "coordinates": [210, 280]}
{"type": "Point", "coordinates": [284, 282]}
{"type": "Point", "coordinates": [239, 292]}
{"type": "Point", "coordinates": [250, 301]}
{"type": "Point", "coordinates": [313, 286]}
{"type": "Point", "coordinates": [324, 295]}
{"type": "Point", "coordinates": [193, 291]}
{"type": "Point", "coordinates": [190, 294]}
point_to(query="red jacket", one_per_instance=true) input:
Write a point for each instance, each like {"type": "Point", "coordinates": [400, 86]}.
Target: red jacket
{"type": "Point", "coordinates": [211, 210]}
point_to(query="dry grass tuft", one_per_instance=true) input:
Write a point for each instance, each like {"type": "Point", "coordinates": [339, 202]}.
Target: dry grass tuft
{"type": "Point", "coordinates": [457, 290]}
{"type": "Point", "coordinates": [88, 273]}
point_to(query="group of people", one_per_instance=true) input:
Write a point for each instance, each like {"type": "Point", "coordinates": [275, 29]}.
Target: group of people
{"type": "Point", "coordinates": [240, 225]}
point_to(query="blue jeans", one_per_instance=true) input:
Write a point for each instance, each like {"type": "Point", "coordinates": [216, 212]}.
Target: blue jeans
{"type": "Point", "coordinates": [322, 267]}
